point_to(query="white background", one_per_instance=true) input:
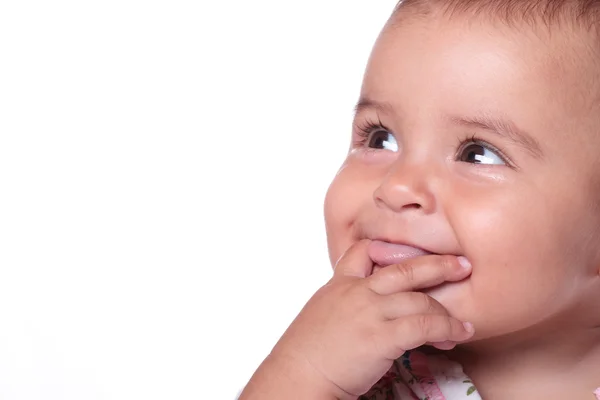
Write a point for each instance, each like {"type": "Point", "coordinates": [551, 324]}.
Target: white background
{"type": "Point", "coordinates": [162, 172]}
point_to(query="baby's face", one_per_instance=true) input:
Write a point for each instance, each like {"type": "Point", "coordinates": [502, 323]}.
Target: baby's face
{"type": "Point", "coordinates": [481, 141]}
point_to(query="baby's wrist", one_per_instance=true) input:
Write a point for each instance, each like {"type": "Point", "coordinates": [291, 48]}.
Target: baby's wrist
{"type": "Point", "coordinates": [287, 376]}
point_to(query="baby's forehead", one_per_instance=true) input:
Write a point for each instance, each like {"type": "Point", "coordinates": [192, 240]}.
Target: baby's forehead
{"type": "Point", "coordinates": [565, 56]}
{"type": "Point", "coordinates": [563, 21]}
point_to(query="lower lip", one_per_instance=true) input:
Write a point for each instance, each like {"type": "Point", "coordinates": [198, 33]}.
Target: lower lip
{"type": "Point", "coordinates": [384, 253]}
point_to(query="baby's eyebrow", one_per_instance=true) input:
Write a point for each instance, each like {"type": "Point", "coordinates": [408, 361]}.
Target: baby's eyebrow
{"type": "Point", "coordinates": [365, 103]}
{"type": "Point", "coordinates": [504, 128]}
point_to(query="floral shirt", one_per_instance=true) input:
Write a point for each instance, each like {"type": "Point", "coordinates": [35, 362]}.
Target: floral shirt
{"type": "Point", "coordinates": [417, 376]}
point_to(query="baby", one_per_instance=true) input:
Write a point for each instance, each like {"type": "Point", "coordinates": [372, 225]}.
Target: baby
{"type": "Point", "coordinates": [464, 225]}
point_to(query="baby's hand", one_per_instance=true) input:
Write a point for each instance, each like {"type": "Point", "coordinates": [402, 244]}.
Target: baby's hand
{"type": "Point", "coordinates": [354, 327]}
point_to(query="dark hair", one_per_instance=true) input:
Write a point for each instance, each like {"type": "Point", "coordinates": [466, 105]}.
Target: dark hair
{"type": "Point", "coordinates": [580, 13]}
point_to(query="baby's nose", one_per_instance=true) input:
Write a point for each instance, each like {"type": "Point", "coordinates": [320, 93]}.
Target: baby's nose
{"type": "Point", "coordinates": [407, 187]}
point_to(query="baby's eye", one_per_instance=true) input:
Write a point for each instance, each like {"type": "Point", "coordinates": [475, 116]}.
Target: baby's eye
{"type": "Point", "coordinates": [479, 154]}
{"type": "Point", "coordinates": [382, 140]}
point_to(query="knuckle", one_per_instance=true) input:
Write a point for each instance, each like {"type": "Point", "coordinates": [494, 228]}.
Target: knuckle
{"type": "Point", "coordinates": [405, 271]}
{"type": "Point", "coordinates": [422, 302]}
{"type": "Point", "coordinates": [424, 325]}
{"type": "Point", "coordinates": [449, 326]}
{"type": "Point", "coordinates": [428, 302]}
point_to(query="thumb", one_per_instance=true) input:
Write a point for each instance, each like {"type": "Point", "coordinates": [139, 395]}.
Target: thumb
{"type": "Point", "coordinates": [355, 261]}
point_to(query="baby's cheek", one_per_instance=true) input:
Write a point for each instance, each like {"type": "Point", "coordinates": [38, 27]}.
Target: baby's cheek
{"type": "Point", "coordinates": [340, 201]}
{"type": "Point", "coordinates": [339, 238]}
{"type": "Point", "coordinates": [509, 270]}
{"type": "Point", "coordinates": [511, 291]}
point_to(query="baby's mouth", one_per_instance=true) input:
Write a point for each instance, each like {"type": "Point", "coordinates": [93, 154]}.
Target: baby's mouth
{"type": "Point", "coordinates": [385, 253]}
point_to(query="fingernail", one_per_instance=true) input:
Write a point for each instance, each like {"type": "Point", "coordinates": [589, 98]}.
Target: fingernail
{"type": "Point", "coordinates": [447, 345]}
{"type": "Point", "coordinates": [469, 327]}
{"type": "Point", "coordinates": [466, 264]}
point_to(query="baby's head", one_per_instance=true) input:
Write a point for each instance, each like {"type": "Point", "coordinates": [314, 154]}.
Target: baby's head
{"type": "Point", "coordinates": [478, 134]}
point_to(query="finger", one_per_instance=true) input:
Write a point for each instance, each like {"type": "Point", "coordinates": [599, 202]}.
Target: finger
{"type": "Point", "coordinates": [419, 273]}
{"type": "Point", "coordinates": [447, 345]}
{"type": "Point", "coordinates": [403, 304]}
{"type": "Point", "coordinates": [413, 331]}
{"type": "Point", "coordinates": [355, 261]}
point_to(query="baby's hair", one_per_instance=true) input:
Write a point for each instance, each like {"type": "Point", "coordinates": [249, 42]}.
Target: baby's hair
{"type": "Point", "coordinates": [581, 13]}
